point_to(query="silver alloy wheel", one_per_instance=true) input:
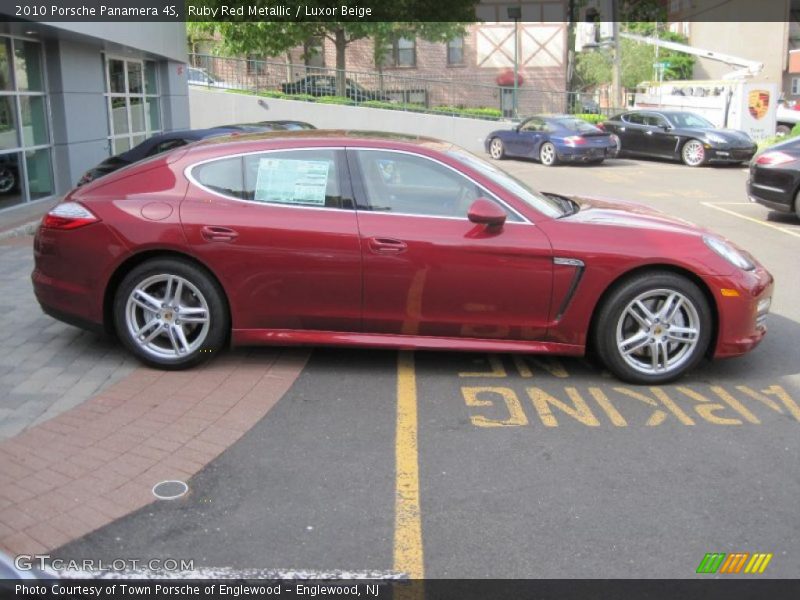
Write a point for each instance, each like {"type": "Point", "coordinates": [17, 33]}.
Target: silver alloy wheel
{"type": "Point", "coordinates": [7, 180]}
{"type": "Point", "coordinates": [167, 316]}
{"type": "Point", "coordinates": [658, 331]}
{"type": "Point", "coordinates": [496, 149]}
{"type": "Point", "coordinates": [693, 153]}
{"type": "Point", "coordinates": [547, 154]}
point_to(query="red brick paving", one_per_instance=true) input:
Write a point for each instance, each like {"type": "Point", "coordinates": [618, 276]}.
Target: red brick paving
{"type": "Point", "coordinates": [99, 461]}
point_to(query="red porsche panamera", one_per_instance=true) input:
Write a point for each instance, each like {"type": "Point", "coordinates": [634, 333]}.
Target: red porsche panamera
{"type": "Point", "coordinates": [364, 239]}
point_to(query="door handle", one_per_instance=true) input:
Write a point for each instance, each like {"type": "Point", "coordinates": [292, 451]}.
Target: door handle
{"type": "Point", "coordinates": [381, 245]}
{"type": "Point", "coordinates": [214, 233]}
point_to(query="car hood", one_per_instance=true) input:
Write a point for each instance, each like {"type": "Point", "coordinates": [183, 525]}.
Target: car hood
{"type": "Point", "coordinates": [619, 213]}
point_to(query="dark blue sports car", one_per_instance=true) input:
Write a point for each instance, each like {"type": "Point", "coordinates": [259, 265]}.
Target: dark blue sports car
{"type": "Point", "coordinates": [553, 139]}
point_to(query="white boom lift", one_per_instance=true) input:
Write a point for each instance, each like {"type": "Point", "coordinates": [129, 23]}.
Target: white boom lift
{"type": "Point", "coordinates": [732, 102]}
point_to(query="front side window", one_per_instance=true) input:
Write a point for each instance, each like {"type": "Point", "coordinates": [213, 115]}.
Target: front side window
{"type": "Point", "coordinates": [307, 178]}
{"type": "Point", "coordinates": [532, 125]}
{"type": "Point", "coordinates": [396, 182]}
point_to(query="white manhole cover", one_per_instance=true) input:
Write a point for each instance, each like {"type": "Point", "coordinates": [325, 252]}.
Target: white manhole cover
{"type": "Point", "coordinates": [170, 490]}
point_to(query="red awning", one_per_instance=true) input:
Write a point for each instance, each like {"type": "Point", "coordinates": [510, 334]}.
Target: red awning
{"type": "Point", "coordinates": [507, 78]}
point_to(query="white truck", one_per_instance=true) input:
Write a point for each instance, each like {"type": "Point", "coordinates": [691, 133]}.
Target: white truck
{"type": "Point", "coordinates": [731, 102]}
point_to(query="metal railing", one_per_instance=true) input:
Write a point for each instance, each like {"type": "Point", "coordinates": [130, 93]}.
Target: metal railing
{"type": "Point", "coordinates": [459, 95]}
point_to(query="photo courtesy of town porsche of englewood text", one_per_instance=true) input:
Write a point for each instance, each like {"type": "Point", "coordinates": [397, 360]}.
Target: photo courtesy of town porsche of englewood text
{"type": "Point", "coordinates": [458, 300]}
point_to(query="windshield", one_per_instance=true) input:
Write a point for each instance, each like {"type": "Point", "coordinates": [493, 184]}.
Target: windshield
{"type": "Point", "coordinates": [577, 125]}
{"type": "Point", "coordinates": [687, 119]}
{"type": "Point", "coordinates": [537, 200]}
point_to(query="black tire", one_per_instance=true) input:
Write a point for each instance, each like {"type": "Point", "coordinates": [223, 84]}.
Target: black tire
{"type": "Point", "coordinates": [497, 149]}
{"type": "Point", "coordinates": [613, 318]}
{"type": "Point", "coordinates": [783, 130]}
{"type": "Point", "coordinates": [797, 204]}
{"type": "Point", "coordinates": [200, 293]}
{"type": "Point", "coordinates": [8, 180]}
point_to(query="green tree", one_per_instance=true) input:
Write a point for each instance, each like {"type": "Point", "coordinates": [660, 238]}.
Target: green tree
{"type": "Point", "coordinates": [594, 68]}
{"type": "Point", "coordinates": [272, 38]}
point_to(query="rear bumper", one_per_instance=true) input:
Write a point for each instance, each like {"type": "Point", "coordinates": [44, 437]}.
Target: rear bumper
{"type": "Point", "coordinates": [773, 188]}
{"type": "Point", "coordinates": [742, 308]}
{"type": "Point", "coordinates": [584, 154]}
{"type": "Point", "coordinates": [69, 280]}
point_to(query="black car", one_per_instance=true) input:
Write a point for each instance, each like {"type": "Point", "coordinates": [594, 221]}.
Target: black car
{"type": "Point", "coordinates": [325, 85]}
{"type": "Point", "coordinates": [679, 135]}
{"type": "Point", "coordinates": [775, 177]}
{"type": "Point", "coordinates": [152, 146]}
{"type": "Point", "coordinates": [281, 125]}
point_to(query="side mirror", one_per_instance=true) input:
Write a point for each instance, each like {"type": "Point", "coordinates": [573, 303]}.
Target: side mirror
{"type": "Point", "coordinates": [486, 212]}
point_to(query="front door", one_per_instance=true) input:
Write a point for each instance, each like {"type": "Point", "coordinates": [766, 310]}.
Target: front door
{"type": "Point", "coordinates": [279, 228]}
{"type": "Point", "coordinates": [428, 270]}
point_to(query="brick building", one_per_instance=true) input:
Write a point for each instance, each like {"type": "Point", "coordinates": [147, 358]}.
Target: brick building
{"type": "Point", "coordinates": [465, 72]}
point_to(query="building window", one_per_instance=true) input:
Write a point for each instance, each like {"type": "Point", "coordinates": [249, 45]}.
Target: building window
{"type": "Point", "coordinates": [256, 65]}
{"type": "Point", "coordinates": [314, 52]}
{"type": "Point", "coordinates": [26, 171]}
{"type": "Point", "coordinates": [795, 86]}
{"type": "Point", "coordinates": [133, 102]}
{"type": "Point", "coordinates": [455, 51]}
{"type": "Point", "coordinates": [400, 52]}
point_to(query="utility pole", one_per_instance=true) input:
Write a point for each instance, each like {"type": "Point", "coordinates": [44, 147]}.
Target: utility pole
{"type": "Point", "coordinates": [616, 66]}
{"type": "Point", "coordinates": [515, 12]}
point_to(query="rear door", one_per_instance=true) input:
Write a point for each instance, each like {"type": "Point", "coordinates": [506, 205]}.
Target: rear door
{"type": "Point", "coordinates": [428, 270]}
{"type": "Point", "coordinates": [631, 133]}
{"type": "Point", "coordinates": [279, 229]}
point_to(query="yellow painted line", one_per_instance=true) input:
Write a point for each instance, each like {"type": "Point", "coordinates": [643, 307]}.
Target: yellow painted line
{"type": "Point", "coordinates": [408, 556]}
{"type": "Point", "coordinates": [716, 205]}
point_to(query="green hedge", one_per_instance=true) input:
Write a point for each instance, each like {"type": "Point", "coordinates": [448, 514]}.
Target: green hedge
{"type": "Point", "coordinates": [592, 118]}
{"type": "Point", "coordinates": [481, 113]}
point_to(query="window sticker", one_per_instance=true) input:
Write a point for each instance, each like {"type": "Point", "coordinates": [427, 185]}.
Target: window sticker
{"type": "Point", "coordinates": [289, 181]}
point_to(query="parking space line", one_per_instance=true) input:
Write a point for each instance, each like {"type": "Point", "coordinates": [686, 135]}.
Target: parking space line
{"type": "Point", "coordinates": [408, 555]}
{"type": "Point", "coordinates": [716, 205]}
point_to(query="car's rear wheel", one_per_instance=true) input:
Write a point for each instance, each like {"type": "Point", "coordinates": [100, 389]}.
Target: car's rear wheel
{"type": "Point", "coordinates": [653, 328]}
{"type": "Point", "coordinates": [7, 180]}
{"type": "Point", "coordinates": [547, 154]}
{"type": "Point", "coordinates": [693, 153]}
{"type": "Point", "coordinates": [797, 204]}
{"type": "Point", "coordinates": [171, 314]}
{"type": "Point", "coordinates": [496, 149]}
{"type": "Point", "coordinates": [783, 130]}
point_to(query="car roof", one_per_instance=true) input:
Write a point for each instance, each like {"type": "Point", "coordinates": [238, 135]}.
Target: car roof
{"type": "Point", "coordinates": [323, 137]}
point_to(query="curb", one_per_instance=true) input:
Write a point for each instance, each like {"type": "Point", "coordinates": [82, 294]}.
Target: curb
{"type": "Point", "coordinates": [28, 228]}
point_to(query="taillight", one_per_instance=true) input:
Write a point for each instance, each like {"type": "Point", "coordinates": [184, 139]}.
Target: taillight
{"type": "Point", "coordinates": [68, 215]}
{"type": "Point", "coordinates": [776, 157]}
{"type": "Point", "coordinates": [600, 126]}
{"type": "Point", "coordinates": [574, 140]}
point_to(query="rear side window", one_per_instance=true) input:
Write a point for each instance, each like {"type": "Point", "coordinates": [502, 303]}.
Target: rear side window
{"type": "Point", "coordinates": [307, 178]}
{"type": "Point", "coordinates": [634, 118]}
{"type": "Point", "coordinates": [223, 176]}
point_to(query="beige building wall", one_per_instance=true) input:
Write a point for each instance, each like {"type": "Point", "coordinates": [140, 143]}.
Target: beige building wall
{"type": "Point", "coordinates": [762, 41]}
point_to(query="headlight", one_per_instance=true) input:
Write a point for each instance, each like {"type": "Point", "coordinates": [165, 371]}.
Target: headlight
{"type": "Point", "coordinates": [729, 253]}
{"type": "Point", "coordinates": [717, 139]}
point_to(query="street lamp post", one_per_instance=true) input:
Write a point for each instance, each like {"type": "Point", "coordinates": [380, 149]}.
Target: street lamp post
{"type": "Point", "coordinates": [515, 12]}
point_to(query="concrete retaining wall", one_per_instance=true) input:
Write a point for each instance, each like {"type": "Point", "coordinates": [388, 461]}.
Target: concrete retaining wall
{"type": "Point", "coordinates": [209, 108]}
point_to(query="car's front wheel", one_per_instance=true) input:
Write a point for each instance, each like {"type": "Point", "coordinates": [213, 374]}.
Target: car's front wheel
{"type": "Point", "coordinates": [171, 314]}
{"type": "Point", "coordinates": [693, 153]}
{"type": "Point", "coordinates": [496, 149]}
{"type": "Point", "coordinates": [8, 180]}
{"type": "Point", "coordinates": [547, 154]}
{"type": "Point", "coordinates": [653, 328]}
